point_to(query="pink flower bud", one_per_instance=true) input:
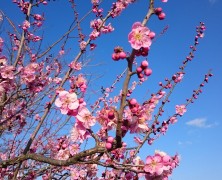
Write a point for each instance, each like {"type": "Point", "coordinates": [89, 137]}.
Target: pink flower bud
{"type": "Point", "coordinates": [140, 75]}
{"type": "Point", "coordinates": [108, 145]}
{"type": "Point", "coordinates": [45, 2]}
{"type": "Point", "coordinates": [115, 56]}
{"type": "Point", "coordinates": [58, 147]}
{"type": "Point", "coordinates": [161, 16]}
{"type": "Point", "coordinates": [124, 144]}
{"type": "Point", "coordinates": [152, 35]}
{"type": "Point", "coordinates": [122, 55]}
{"type": "Point", "coordinates": [111, 115]}
{"type": "Point", "coordinates": [64, 146]}
{"type": "Point", "coordinates": [110, 139]}
{"type": "Point", "coordinates": [139, 70]}
{"type": "Point", "coordinates": [158, 10]}
{"type": "Point", "coordinates": [144, 64]}
{"type": "Point", "coordinates": [81, 100]}
{"type": "Point", "coordinates": [121, 156]}
{"type": "Point", "coordinates": [148, 71]}
{"type": "Point", "coordinates": [133, 101]}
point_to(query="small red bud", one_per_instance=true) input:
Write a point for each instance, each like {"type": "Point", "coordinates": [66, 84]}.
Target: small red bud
{"type": "Point", "coordinates": [64, 146]}
{"type": "Point", "coordinates": [152, 35]}
{"type": "Point", "coordinates": [161, 16]}
{"type": "Point", "coordinates": [115, 56]}
{"type": "Point", "coordinates": [133, 101]}
{"type": "Point", "coordinates": [158, 10]}
{"type": "Point", "coordinates": [144, 64]}
{"type": "Point", "coordinates": [45, 2]}
{"type": "Point", "coordinates": [139, 70]}
{"type": "Point", "coordinates": [140, 75]}
{"type": "Point", "coordinates": [122, 55]}
{"type": "Point", "coordinates": [110, 139]}
{"type": "Point", "coordinates": [111, 115]}
{"type": "Point", "coordinates": [108, 145]}
{"type": "Point", "coordinates": [148, 71]}
{"type": "Point", "coordinates": [81, 100]}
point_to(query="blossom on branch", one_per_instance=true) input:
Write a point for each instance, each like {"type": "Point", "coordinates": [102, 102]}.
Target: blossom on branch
{"type": "Point", "coordinates": [67, 101]}
{"type": "Point", "coordinates": [181, 109]}
{"type": "Point", "coordinates": [139, 36]}
{"type": "Point", "coordinates": [86, 117]}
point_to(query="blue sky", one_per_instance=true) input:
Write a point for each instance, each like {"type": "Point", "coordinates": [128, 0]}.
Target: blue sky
{"type": "Point", "coordinates": [197, 135]}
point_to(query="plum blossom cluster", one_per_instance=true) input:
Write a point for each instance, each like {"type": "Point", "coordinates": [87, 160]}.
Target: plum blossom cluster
{"type": "Point", "coordinates": [95, 9]}
{"type": "Point", "coordinates": [143, 70]}
{"type": "Point", "coordinates": [118, 53]}
{"type": "Point", "coordinates": [30, 36]}
{"type": "Point", "coordinates": [159, 12]}
{"type": "Point", "coordinates": [99, 27]}
{"type": "Point", "coordinates": [38, 20]}
{"type": "Point", "coordinates": [136, 118]}
{"type": "Point", "coordinates": [79, 81]}
{"type": "Point", "coordinates": [160, 165]}
{"type": "Point", "coordinates": [22, 5]}
{"type": "Point", "coordinates": [119, 6]}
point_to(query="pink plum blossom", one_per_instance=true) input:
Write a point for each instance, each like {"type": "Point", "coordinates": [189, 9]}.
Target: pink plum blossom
{"type": "Point", "coordinates": [154, 165]}
{"type": "Point", "coordinates": [173, 120]}
{"type": "Point", "coordinates": [181, 109]}
{"type": "Point", "coordinates": [74, 149]}
{"type": "Point", "coordinates": [86, 118]}
{"type": "Point", "coordinates": [79, 132]}
{"type": "Point", "coordinates": [82, 45]}
{"type": "Point", "coordinates": [139, 36]}
{"type": "Point", "coordinates": [62, 154]}
{"type": "Point", "coordinates": [67, 101]}
{"type": "Point", "coordinates": [25, 25]}
{"type": "Point", "coordinates": [7, 72]}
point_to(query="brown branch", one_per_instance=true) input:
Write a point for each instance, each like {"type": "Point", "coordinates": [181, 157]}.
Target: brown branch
{"type": "Point", "coordinates": [40, 158]}
{"type": "Point", "coordinates": [127, 80]}
{"type": "Point", "coordinates": [22, 40]}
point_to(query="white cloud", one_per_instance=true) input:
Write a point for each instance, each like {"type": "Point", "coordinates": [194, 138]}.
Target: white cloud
{"type": "Point", "coordinates": [200, 123]}
{"type": "Point", "coordinates": [181, 143]}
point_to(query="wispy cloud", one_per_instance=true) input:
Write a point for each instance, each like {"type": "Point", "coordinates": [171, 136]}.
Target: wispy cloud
{"type": "Point", "coordinates": [212, 1]}
{"type": "Point", "coordinates": [182, 143]}
{"type": "Point", "coordinates": [200, 123]}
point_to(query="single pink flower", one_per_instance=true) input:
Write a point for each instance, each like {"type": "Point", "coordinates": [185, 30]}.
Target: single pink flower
{"type": "Point", "coordinates": [86, 117]}
{"type": "Point", "coordinates": [26, 25]}
{"type": "Point", "coordinates": [7, 72]}
{"type": "Point", "coordinates": [173, 120]}
{"type": "Point", "coordinates": [63, 154]}
{"type": "Point", "coordinates": [67, 101]}
{"type": "Point", "coordinates": [181, 109]}
{"type": "Point", "coordinates": [82, 45]}
{"type": "Point", "coordinates": [154, 165]}
{"type": "Point", "coordinates": [139, 36]}
{"type": "Point", "coordinates": [74, 149]}
{"type": "Point", "coordinates": [79, 133]}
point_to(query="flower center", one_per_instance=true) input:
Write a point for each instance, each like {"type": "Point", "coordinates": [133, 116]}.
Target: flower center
{"type": "Point", "coordinates": [138, 36]}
